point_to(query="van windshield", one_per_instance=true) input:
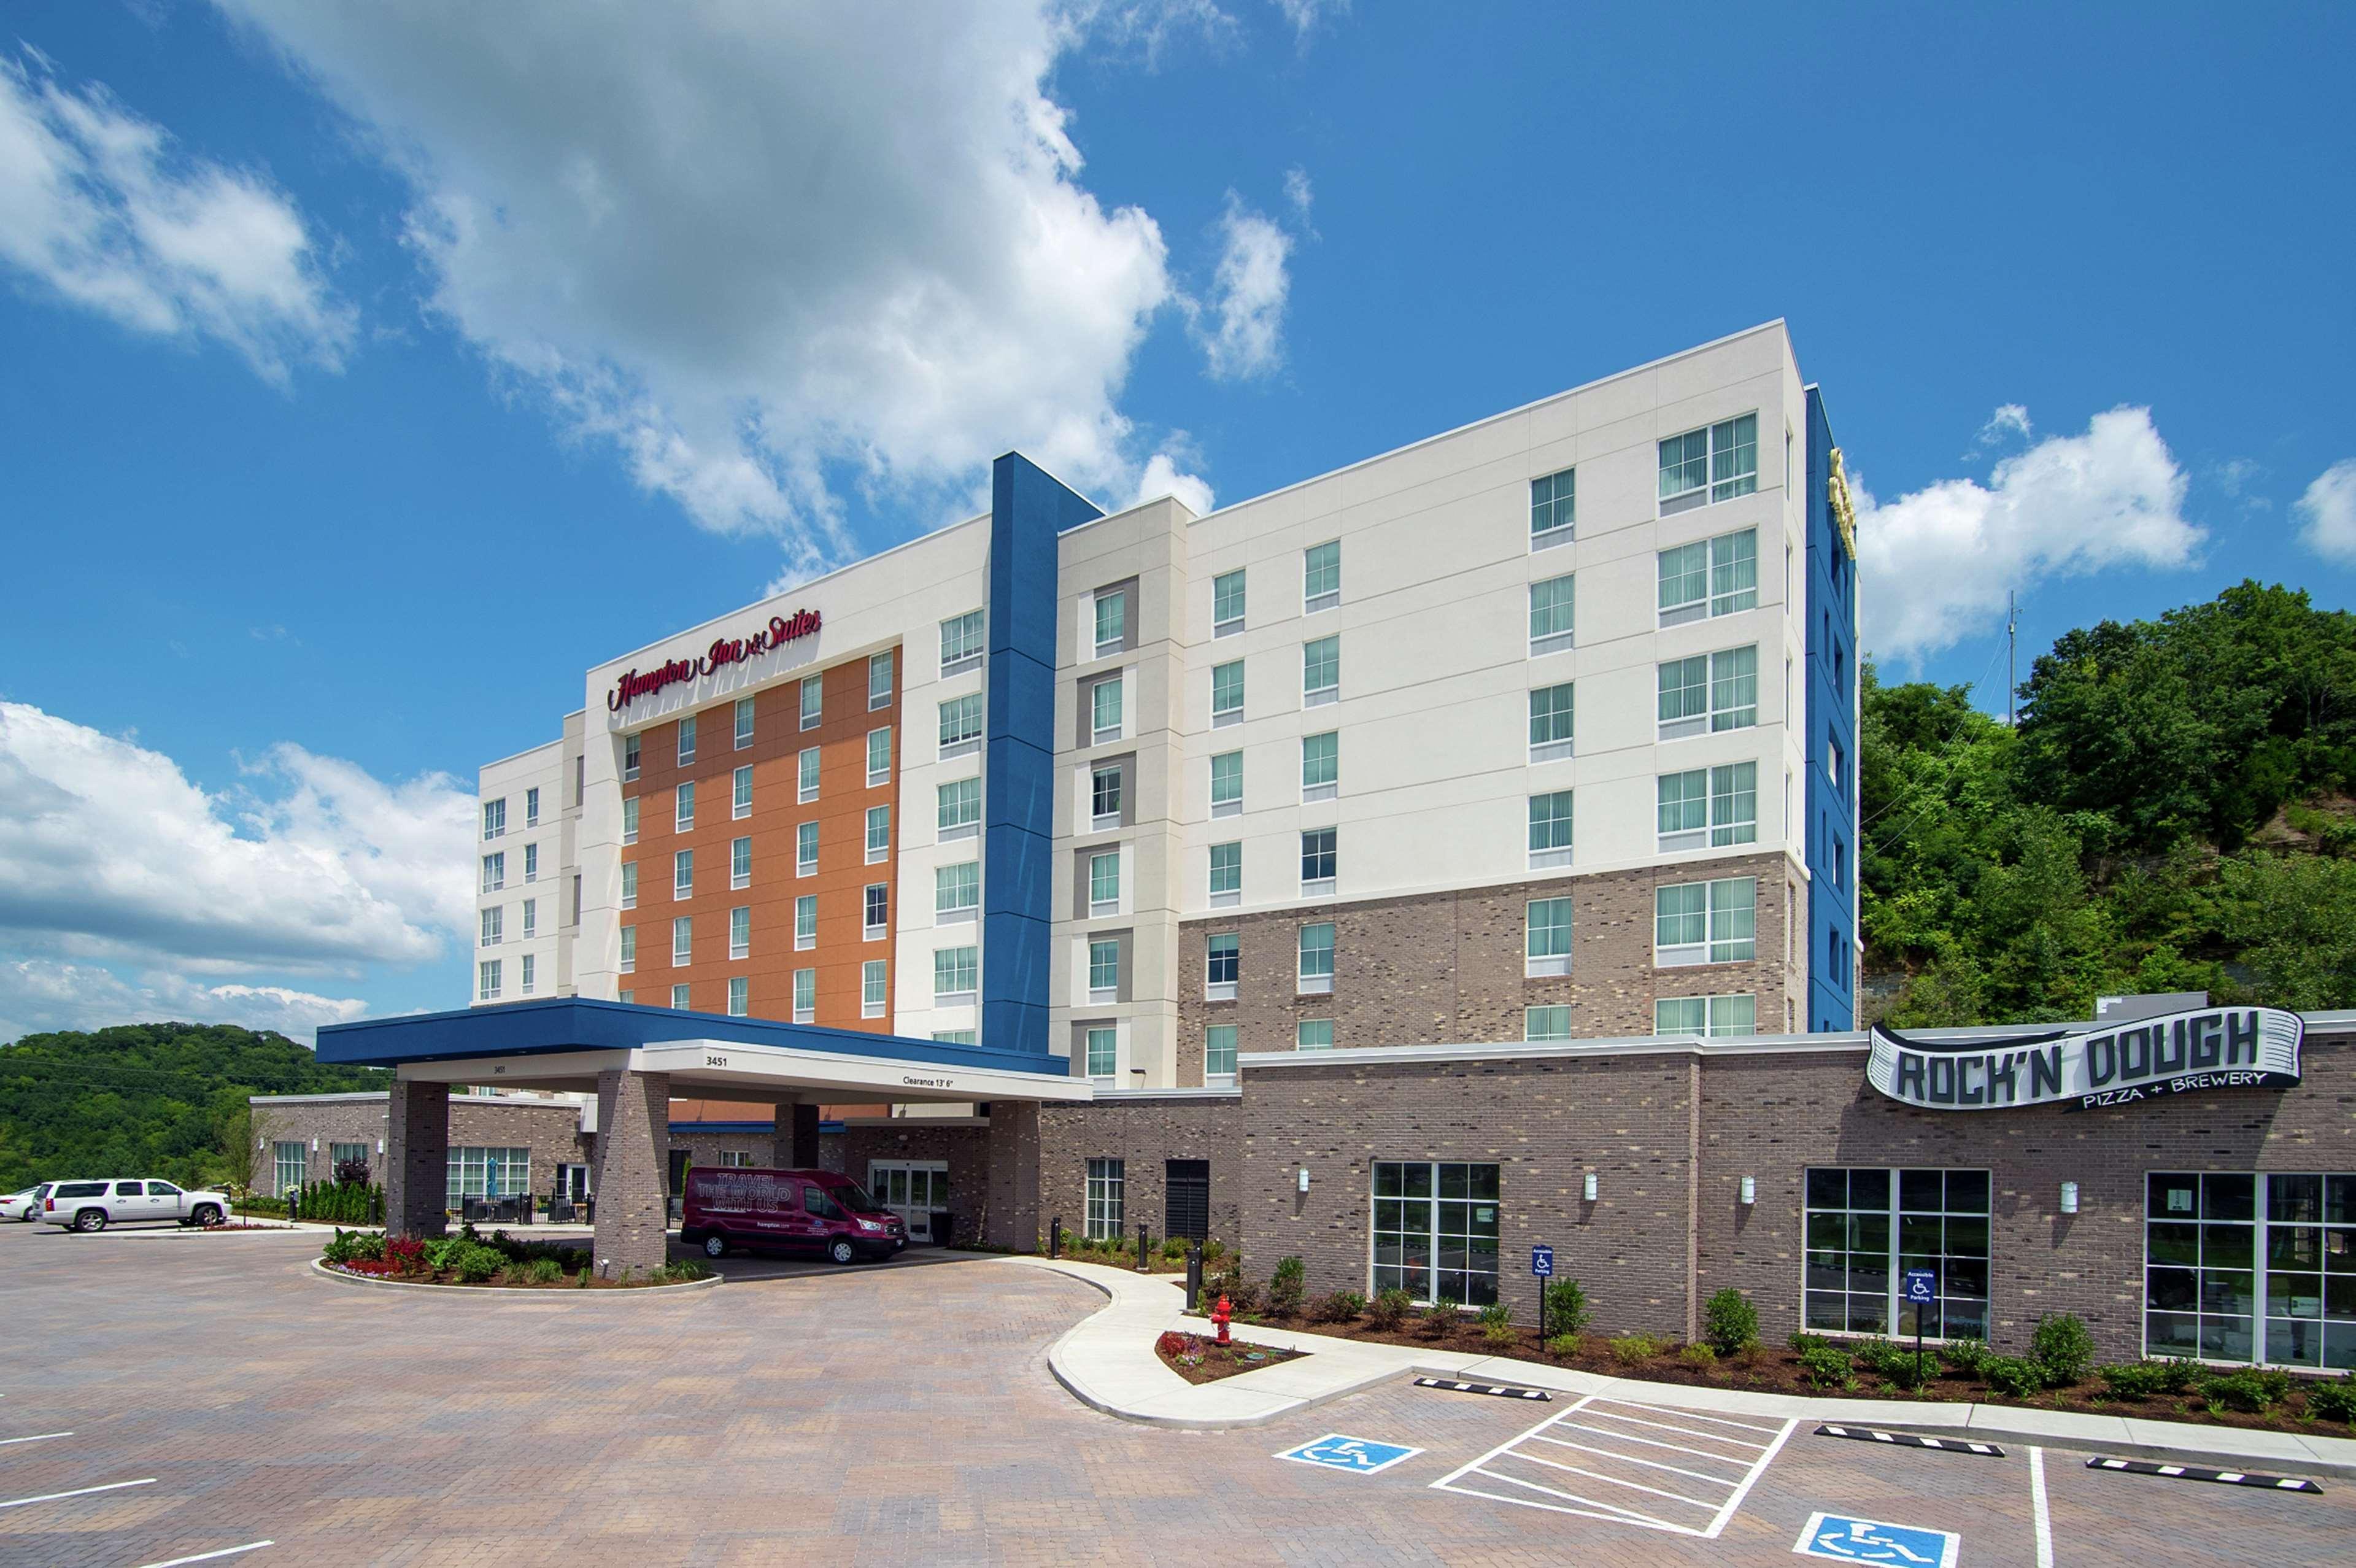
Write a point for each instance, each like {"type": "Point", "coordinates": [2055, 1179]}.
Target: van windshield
{"type": "Point", "coordinates": [853, 1197]}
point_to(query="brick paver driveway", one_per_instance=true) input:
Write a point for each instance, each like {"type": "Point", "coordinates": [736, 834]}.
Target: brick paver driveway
{"type": "Point", "coordinates": [901, 1415]}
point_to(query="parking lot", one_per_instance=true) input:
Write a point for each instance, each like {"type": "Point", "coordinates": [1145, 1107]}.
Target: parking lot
{"type": "Point", "coordinates": [229, 1402]}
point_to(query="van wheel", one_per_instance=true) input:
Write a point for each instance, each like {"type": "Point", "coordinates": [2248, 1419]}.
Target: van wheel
{"type": "Point", "coordinates": [715, 1246]}
{"type": "Point", "coordinates": [207, 1214]}
{"type": "Point", "coordinates": [91, 1220]}
{"type": "Point", "coordinates": [842, 1252]}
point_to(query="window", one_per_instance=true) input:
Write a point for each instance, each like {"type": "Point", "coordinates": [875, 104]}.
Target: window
{"type": "Point", "coordinates": [495, 871]}
{"type": "Point", "coordinates": [1551, 716]}
{"type": "Point", "coordinates": [740, 1005]}
{"type": "Point", "coordinates": [494, 918]}
{"type": "Point", "coordinates": [806, 779]}
{"type": "Point", "coordinates": [1227, 604]}
{"type": "Point", "coordinates": [956, 974]}
{"type": "Point", "coordinates": [629, 757]}
{"type": "Point", "coordinates": [1436, 1231]}
{"type": "Point", "coordinates": [1314, 1034]}
{"type": "Point", "coordinates": [1104, 883]}
{"type": "Point", "coordinates": [495, 819]}
{"type": "Point", "coordinates": [488, 979]}
{"type": "Point", "coordinates": [629, 950]}
{"type": "Point", "coordinates": [961, 642]}
{"type": "Point", "coordinates": [682, 873]}
{"type": "Point", "coordinates": [683, 810]}
{"type": "Point", "coordinates": [805, 995]}
{"type": "Point", "coordinates": [1709, 692]}
{"type": "Point", "coordinates": [879, 833]}
{"type": "Point", "coordinates": [1712, 806]}
{"type": "Point", "coordinates": [1709, 578]}
{"type": "Point", "coordinates": [347, 1155]}
{"type": "Point", "coordinates": [1228, 694]}
{"type": "Point", "coordinates": [1550, 936]}
{"type": "Point", "coordinates": [740, 931]}
{"type": "Point", "coordinates": [575, 919]}
{"type": "Point", "coordinates": [678, 998]}
{"type": "Point", "coordinates": [1712, 1018]}
{"type": "Point", "coordinates": [1551, 826]}
{"type": "Point", "coordinates": [528, 972]}
{"type": "Point", "coordinates": [1112, 623]}
{"type": "Point", "coordinates": [1105, 1186]}
{"type": "Point", "coordinates": [740, 805]}
{"type": "Point", "coordinates": [957, 810]}
{"type": "Point", "coordinates": [1546, 1022]}
{"type": "Point", "coordinates": [1222, 959]}
{"type": "Point", "coordinates": [1734, 803]}
{"type": "Point", "coordinates": [687, 739]}
{"type": "Point", "coordinates": [682, 940]}
{"type": "Point", "coordinates": [878, 679]}
{"type": "Point", "coordinates": [1219, 1053]}
{"type": "Point", "coordinates": [1835, 765]}
{"type": "Point", "coordinates": [740, 862]}
{"type": "Point", "coordinates": [961, 725]}
{"type": "Point", "coordinates": [813, 700]}
{"type": "Point", "coordinates": [1317, 861]}
{"type": "Point", "coordinates": [1320, 766]}
{"type": "Point", "coordinates": [487, 1173]}
{"type": "Point", "coordinates": [630, 820]}
{"type": "Point", "coordinates": [1103, 1045]}
{"type": "Point", "coordinates": [873, 979]}
{"type": "Point", "coordinates": [1706, 922]}
{"type": "Point", "coordinates": [1104, 970]}
{"type": "Point", "coordinates": [1320, 576]}
{"type": "Point", "coordinates": [957, 891]}
{"type": "Point", "coordinates": [806, 922]}
{"type": "Point", "coordinates": [531, 917]}
{"type": "Point", "coordinates": [1228, 784]}
{"type": "Point", "coordinates": [879, 757]}
{"type": "Point", "coordinates": [1715, 463]}
{"type": "Point", "coordinates": [1104, 711]}
{"type": "Point", "coordinates": [1320, 672]}
{"type": "Point", "coordinates": [2223, 1251]}
{"type": "Point", "coordinates": [1550, 616]}
{"type": "Point", "coordinates": [1866, 1228]}
{"type": "Point", "coordinates": [1316, 968]}
{"type": "Point", "coordinates": [1104, 796]}
{"type": "Point", "coordinates": [532, 808]}
{"type": "Point", "coordinates": [1553, 508]}
{"type": "Point", "coordinates": [531, 862]}
{"type": "Point", "coordinates": [806, 849]}
{"type": "Point", "coordinates": [1226, 875]}
{"type": "Point", "coordinates": [744, 722]}
{"type": "Point", "coordinates": [957, 1036]}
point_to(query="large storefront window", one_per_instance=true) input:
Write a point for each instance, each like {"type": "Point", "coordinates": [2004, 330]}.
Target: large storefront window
{"type": "Point", "coordinates": [2251, 1268]}
{"type": "Point", "coordinates": [1436, 1231]}
{"type": "Point", "coordinates": [1105, 1192]}
{"type": "Point", "coordinates": [287, 1164]}
{"type": "Point", "coordinates": [1867, 1227]}
{"type": "Point", "coordinates": [488, 1173]}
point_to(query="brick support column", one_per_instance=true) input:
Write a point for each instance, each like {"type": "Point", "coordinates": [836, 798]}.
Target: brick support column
{"type": "Point", "coordinates": [417, 1159]}
{"type": "Point", "coordinates": [633, 1140]}
{"type": "Point", "coordinates": [1013, 1220]}
{"type": "Point", "coordinates": [805, 1141]}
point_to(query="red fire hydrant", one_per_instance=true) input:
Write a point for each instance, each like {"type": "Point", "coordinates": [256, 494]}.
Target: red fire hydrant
{"type": "Point", "coordinates": [1221, 1314]}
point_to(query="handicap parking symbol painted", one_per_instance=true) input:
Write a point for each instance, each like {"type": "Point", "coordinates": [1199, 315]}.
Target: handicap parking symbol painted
{"type": "Point", "coordinates": [1360, 1456]}
{"type": "Point", "coordinates": [1845, 1539]}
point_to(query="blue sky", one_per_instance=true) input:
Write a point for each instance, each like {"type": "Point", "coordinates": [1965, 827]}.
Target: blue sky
{"type": "Point", "coordinates": [368, 379]}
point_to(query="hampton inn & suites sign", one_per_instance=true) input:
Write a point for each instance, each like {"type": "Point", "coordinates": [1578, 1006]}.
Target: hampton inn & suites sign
{"type": "Point", "coordinates": [724, 651]}
{"type": "Point", "coordinates": [2080, 1069]}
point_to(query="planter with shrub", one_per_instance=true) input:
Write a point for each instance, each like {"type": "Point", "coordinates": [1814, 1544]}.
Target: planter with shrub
{"type": "Point", "coordinates": [468, 1258]}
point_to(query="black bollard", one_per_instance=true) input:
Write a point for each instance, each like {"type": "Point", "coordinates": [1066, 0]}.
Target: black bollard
{"type": "Point", "coordinates": [1056, 1237]}
{"type": "Point", "coordinates": [1194, 1276]}
{"type": "Point", "coordinates": [1143, 1242]}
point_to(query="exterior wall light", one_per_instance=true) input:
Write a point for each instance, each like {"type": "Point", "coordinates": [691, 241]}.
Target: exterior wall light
{"type": "Point", "coordinates": [315, 1145]}
{"type": "Point", "coordinates": [380, 1146]}
{"type": "Point", "coordinates": [1750, 1189]}
{"type": "Point", "coordinates": [1587, 1188]}
{"type": "Point", "coordinates": [2069, 1198]}
{"type": "Point", "coordinates": [1304, 1179]}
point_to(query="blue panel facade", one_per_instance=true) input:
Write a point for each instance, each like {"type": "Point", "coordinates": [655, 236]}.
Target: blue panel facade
{"type": "Point", "coordinates": [1028, 508]}
{"type": "Point", "coordinates": [1830, 823]}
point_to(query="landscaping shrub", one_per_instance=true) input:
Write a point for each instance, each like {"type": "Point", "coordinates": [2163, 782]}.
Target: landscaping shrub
{"type": "Point", "coordinates": [2063, 1349]}
{"type": "Point", "coordinates": [1173, 1343]}
{"type": "Point", "coordinates": [1567, 1311]}
{"type": "Point", "coordinates": [1803, 1341]}
{"type": "Point", "coordinates": [1341, 1306]}
{"type": "Point", "coordinates": [544, 1272]}
{"type": "Point", "coordinates": [1827, 1368]}
{"type": "Point", "coordinates": [1389, 1309]}
{"type": "Point", "coordinates": [1729, 1322]}
{"type": "Point", "coordinates": [681, 1273]}
{"type": "Point", "coordinates": [1440, 1316]}
{"type": "Point", "coordinates": [1243, 1295]}
{"type": "Point", "coordinates": [2135, 1380]}
{"type": "Point", "coordinates": [2015, 1376]}
{"type": "Point", "coordinates": [441, 1251]}
{"type": "Point", "coordinates": [475, 1262]}
{"type": "Point", "coordinates": [1965, 1356]}
{"type": "Point", "coordinates": [2251, 1391]}
{"type": "Point", "coordinates": [347, 1246]}
{"type": "Point", "coordinates": [1214, 1249]}
{"type": "Point", "coordinates": [1879, 1356]}
{"type": "Point", "coordinates": [1699, 1355]}
{"type": "Point", "coordinates": [1497, 1321]}
{"type": "Point", "coordinates": [2334, 1400]}
{"type": "Point", "coordinates": [405, 1253]}
{"type": "Point", "coordinates": [1635, 1350]}
{"type": "Point", "coordinates": [2182, 1372]}
{"type": "Point", "coordinates": [1567, 1346]}
{"type": "Point", "coordinates": [1287, 1288]}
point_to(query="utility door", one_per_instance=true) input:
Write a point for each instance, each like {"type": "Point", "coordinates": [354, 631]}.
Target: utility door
{"type": "Point", "coordinates": [1186, 1207]}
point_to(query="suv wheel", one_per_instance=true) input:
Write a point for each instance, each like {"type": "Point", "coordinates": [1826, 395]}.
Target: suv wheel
{"type": "Point", "coordinates": [207, 1214]}
{"type": "Point", "coordinates": [716, 1245]}
{"type": "Point", "coordinates": [91, 1220]}
{"type": "Point", "coordinates": [842, 1252]}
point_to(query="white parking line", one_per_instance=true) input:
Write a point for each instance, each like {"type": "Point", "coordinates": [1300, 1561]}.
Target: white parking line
{"type": "Point", "coordinates": [2037, 1508]}
{"type": "Point", "coordinates": [1719, 1495]}
{"type": "Point", "coordinates": [77, 1492]}
{"type": "Point", "coordinates": [37, 1437]}
{"type": "Point", "coordinates": [209, 1556]}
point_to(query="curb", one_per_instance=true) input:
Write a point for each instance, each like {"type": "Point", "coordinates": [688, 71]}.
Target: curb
{"type": "Point", "coordinates": [2314, 1464]}
{"type": "Point", "coordinates": [497, 1292]}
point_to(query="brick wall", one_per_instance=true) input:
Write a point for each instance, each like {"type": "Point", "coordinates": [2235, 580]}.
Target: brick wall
{"type": "Point", "coordinates": [964, 1149]}
{"type": "Point", "coordinates": [551, 1132]}
{"type": "Point", "coordinates": [1445, 968]}
{"type": "Point", "coordinates": [330, 1122]}
{"type": "Point", "coordinates": [1142, 1133]}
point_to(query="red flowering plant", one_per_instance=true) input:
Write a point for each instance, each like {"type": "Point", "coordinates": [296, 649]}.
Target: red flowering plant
{"type": "Point", "coordinates": [404, 1255]}
{"type": "Point", "coordinates": [1183, 1348]}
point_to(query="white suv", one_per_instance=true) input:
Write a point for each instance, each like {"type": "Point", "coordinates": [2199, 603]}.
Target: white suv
{"type": "Point", "coordinates": [95, 1204]}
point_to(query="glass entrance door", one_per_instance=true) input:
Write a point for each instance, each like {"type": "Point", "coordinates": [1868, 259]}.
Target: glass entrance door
{"type": "Point", "coordinates": [912, 1189]}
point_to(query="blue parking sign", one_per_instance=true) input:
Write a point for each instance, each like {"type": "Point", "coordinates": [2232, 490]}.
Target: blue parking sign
{"type": "Point", "coordinates": [1921, 1286]}
{"type": "Point", "coordinates": [1542, 1262]}
{"type": "Point", "coordinates": [1845, 1539]}
{"type": "Point", "coordinates": [1359, 1456]}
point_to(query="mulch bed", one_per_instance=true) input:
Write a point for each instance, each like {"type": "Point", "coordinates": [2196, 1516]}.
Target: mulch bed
{"type": "Point", "coordinates": [1774, 1370]}
{"type": "Point", "coordinates": [445, 1277]}
{"type": "Point", "coordinates": [1198, 1360]}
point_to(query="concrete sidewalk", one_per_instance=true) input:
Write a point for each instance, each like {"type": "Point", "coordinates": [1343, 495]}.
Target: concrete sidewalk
{"type": "Point", "coordinates": [1108, 1363]}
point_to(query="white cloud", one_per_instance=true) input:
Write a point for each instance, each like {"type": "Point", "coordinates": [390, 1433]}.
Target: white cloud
{"type": "Point", "coordinates": [109, 853]}
{"type": "Point", "coordinates": [1304, 14]}
{"type": "Point", "coordinates": [1241, 326]}
{"type": "Point", "coordinates": [1298, 192]}
{"type": "Point", "coordinates": [97, 207]}
{"type": "Point", "coordinates": [1937, 562]}
{"type": "Point", "coordinates": [1163, 478]}
{"type": "Point", "coordinates": [40, 995]}
{"type": "Point", "coordinates": [2327, 513]}
{"type": "Point", "coordinates": [2008, 423]}
{"type": "Point", "coordinates": [764, 251]}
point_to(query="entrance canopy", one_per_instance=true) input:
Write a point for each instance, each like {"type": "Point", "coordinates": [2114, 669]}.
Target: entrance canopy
{"type": "Point", "coordinates": [565, 1042]}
